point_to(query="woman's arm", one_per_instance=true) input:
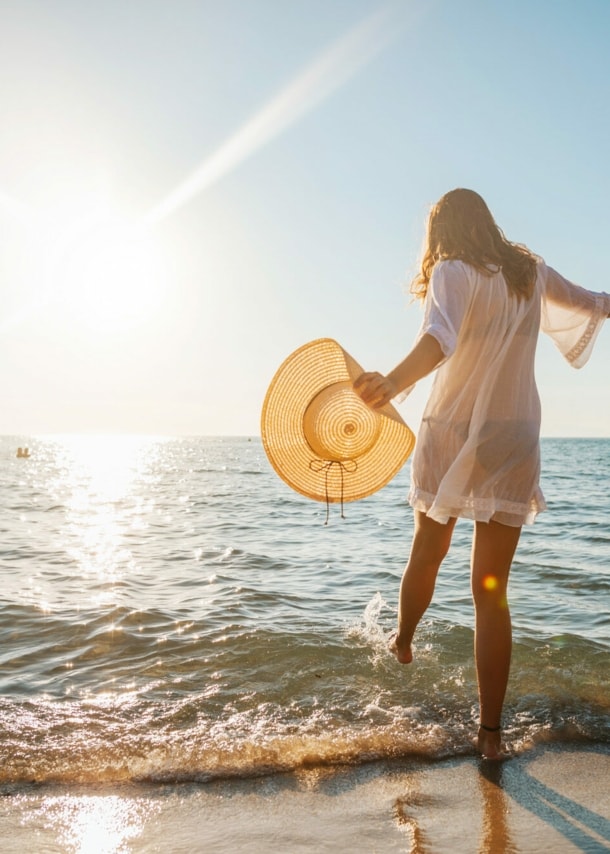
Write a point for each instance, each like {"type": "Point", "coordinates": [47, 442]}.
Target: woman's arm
{"type": "Point", "coordinates": [377, 390]}
{"type": "Point", "coordinates": [571, 315]}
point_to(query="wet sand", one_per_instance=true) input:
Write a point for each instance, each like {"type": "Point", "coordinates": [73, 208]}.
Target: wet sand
{"type": "Point", "coordinates": [552, 799]}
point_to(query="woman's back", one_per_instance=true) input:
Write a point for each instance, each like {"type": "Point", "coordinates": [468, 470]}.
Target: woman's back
{"type": "Point", "coordinates": [477, 452]}
{"type": "Point", "coordinates": [491, 337]}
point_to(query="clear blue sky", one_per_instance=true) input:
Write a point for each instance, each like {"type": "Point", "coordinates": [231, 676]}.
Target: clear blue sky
{"type": "Point", "coordinates": [282, 157]}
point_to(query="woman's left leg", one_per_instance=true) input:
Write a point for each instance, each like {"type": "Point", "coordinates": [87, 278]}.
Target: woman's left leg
{"type": "Point", "coordinates": [492, 555]}
{"type": "Point", "coordinates": [431, 541]}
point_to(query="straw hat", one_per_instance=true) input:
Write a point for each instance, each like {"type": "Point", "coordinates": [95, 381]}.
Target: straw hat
{"type": "Point", "coordinates": [320, 437]}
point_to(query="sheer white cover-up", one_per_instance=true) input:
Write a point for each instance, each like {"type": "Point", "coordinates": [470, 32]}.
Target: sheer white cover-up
{"type": "Point", "coordinates": [477, 453]}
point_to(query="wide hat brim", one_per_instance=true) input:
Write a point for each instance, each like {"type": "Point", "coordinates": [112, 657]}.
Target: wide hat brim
{"type": "Point", "coordinates": [320, 437]}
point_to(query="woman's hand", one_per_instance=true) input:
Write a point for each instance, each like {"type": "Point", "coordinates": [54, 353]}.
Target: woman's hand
{"type": "Point", "coordinates": [375, 389]}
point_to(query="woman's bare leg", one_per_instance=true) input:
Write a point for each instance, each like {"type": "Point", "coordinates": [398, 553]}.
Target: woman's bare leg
{"type": "Point", "coordinates": [492, 555]}
{"type": "Point", "coordinates": [431, 542]}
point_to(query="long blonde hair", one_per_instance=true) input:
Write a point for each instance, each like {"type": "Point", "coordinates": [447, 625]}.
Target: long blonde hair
{"type": "Point", "coordinates": [461, 226]}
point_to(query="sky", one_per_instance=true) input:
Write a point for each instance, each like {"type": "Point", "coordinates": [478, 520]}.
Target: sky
{"type": "Point", "coordinates": [192, 189]}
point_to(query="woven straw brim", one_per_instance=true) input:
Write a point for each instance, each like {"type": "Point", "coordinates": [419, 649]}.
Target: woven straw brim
{"type": "Point", "coordinates": [320, 437]}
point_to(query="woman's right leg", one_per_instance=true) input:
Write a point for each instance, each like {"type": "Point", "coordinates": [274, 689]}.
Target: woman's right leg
{"type": "Point", "coordinates": [431, 542]}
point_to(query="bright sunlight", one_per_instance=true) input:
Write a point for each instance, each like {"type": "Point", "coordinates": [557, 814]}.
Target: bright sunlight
{"type": "Point", "coordinates": [106, 274]}
{"type": "Point", "coordinates": [101, 268]}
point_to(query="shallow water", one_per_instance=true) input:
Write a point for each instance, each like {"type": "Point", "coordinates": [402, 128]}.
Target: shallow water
{"type": "Point", "coordinates": [170, 610]}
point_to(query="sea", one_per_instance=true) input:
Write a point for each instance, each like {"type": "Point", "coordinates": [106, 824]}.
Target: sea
{"type": "Point", "coordinates": [171, 611]}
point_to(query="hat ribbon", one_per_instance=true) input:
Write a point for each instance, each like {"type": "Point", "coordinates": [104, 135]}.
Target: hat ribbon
{"type": "Point", "coordinates": [348, 466]}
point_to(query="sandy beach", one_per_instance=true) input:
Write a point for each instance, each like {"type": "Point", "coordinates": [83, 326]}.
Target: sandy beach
{"type": "Point", "coordinates": [552, 799]}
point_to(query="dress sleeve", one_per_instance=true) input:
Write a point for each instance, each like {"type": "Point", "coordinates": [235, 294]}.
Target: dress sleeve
{"type": "Point", "coordinates": [447, 299]}
{"type": "Point", "coordinates": [572, 316]}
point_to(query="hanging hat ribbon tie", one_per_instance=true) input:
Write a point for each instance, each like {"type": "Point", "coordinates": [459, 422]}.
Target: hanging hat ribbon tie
{"type": "Point", "coordinates": [326, 466]}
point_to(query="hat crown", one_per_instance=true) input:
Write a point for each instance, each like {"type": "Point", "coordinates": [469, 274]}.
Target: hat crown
{"type": "Point", "coordinates": [338, 426]}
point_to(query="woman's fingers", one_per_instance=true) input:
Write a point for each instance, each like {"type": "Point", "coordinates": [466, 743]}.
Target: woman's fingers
{"type": "Point", "coordinates": [374, 389]}
{"type": "Point", "coordinates": [367, 386]}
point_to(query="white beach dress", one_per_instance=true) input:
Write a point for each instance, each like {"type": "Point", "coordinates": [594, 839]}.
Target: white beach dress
{"type": "Point", "coordinates": [477, 453]}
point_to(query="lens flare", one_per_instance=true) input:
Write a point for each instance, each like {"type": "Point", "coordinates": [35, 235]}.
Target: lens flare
{"type": "Point", "coordinates": [327, 73]}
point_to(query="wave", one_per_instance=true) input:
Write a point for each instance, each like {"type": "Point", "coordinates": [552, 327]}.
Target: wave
{"type": "Point", "coordinates": [86, 743]}
{"type": "Point", "coordinates": [159, 700]}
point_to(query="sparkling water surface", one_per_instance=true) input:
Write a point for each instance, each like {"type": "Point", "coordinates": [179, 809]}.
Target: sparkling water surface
{"type": "Point", "coordinates": [171, 610]}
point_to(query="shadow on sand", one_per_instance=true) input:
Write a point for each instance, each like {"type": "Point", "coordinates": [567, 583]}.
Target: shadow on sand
{"type": "Point", "coordinates": [584, 829]}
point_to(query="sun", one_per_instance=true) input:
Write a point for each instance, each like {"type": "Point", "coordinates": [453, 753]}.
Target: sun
{"type": "Point", "coordinates": [90, 265]}
{"type": "Point", "coordinates": [105, 273]}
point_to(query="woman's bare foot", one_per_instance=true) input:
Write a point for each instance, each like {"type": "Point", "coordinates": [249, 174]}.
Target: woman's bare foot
{"type": "Point", "coordinates": [400, 649]}
{"type": "Point", "coordinates": [489, 744]}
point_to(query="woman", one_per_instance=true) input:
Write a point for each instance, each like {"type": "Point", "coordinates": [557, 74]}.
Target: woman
{"type": "Point", "coordinates": [477, 453]}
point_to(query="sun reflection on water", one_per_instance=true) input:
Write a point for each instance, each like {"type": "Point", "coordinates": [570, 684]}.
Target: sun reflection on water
{"type": "Point", "coordinates": [95, 824]}
{"type": "Point", "coordinates": [98, 483]}
{"type": "Point", "coordinates": [102, 468]}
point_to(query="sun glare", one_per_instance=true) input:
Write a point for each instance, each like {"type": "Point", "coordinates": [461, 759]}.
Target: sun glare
{"type": "Point", "coordinates": [329, 71]}
{"type": "Point", "coordinates": [95, 824]}
{"type": "Point", "coordinates": [104, 274]}
{"type": "Point", "coordinates": [102, 271]}
{"type": "Point", "coordinates": [91, 265]}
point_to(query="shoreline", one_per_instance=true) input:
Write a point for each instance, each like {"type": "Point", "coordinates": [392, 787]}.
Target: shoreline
{"type": "Point", "coordinates": [552, 798]}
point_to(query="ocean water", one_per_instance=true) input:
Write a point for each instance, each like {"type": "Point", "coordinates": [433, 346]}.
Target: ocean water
{"type": "Point", "coordinates": [171, 611]}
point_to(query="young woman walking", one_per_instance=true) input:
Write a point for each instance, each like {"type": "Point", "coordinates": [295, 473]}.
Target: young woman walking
{"type": "Point", "coordinates": [477, 454]}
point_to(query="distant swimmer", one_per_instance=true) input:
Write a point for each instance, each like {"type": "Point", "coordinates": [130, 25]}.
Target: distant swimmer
{"type": "Point", "coordinates": [23, 452]}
